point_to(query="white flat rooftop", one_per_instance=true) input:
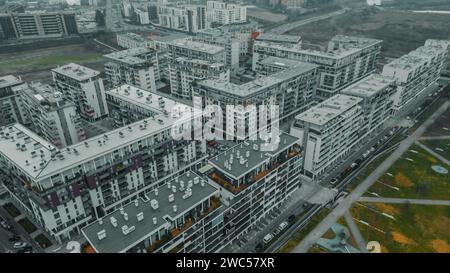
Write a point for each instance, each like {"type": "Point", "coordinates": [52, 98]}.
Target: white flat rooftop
{"type": "Point", "coordinates": [76, 71]}
{"type": "Point", "coordinates": [145, 99]}
{"type": "Point", "coordinates": [369, 86]}
{"type": "Point", "coordinates": [9, 80]}
{"type": "Point", "coordinates": [116, 241]}
{"type": "Point", "coordinates": [197, 46]}
{"type": "Point", "coordinates": [79, 153]}
{"type": "Point", "coordinates": [258, 84]}
{"type": "Point", "coordinates": [129, 56]}
{"type": "Point", "coordinates": [329, 109]}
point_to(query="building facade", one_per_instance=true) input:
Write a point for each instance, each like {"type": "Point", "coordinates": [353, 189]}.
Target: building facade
{"type": "Point", "coordinates": [84, 87]}
{"type": "Point", "coordinates": [37, 25]}
{"type": "Point", "coordinates": [11, 109]}
{"type": "Point", "coordinates": [327, 132]}
{"type": "Point", "coordinates": [225, 14]}
{"type": "Point", "coordinates": [416, 71]}
{"type": "Point", "coordinates": [65, 189]}
{"type": "Point", "coordinates": [50, 115]}
{"type": "Point", "coordinates": [136, 66]}
{"type": "Point", "coordinates": [347, 60]}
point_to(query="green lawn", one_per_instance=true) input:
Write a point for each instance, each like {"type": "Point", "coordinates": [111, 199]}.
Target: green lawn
{"type": "Point", "coordinates": [299, 235]}
{"type": "Point", "coordinates": [43, 241]}
{"type": "Point", "coordinates": [416, 228]}
{"type": "Point", "coordinates": [441, 144]}
{"type": "Point", "coordinates": [27, 225]}
{"type": "Point", "coordinates": [11, 209]}
{"type": "Point", "coordinates": [415, 179]}
{"type": "Point", "coordinates": [49, 61]}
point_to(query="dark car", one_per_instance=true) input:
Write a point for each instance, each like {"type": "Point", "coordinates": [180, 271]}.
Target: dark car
{"type": "Point", "coordinates": [258, 247]}
{"type": "Point", "coordinates": [27, 249]}
{"type": "Point", "coordinates": [15, 238]}
{"type": "Point", "coordinates": [291, 218]}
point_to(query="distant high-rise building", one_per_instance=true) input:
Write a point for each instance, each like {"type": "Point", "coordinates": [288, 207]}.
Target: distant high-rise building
{"type": "Point", "coordinates": [224, 13]}
{"type": "Point", "coordinates": [37, 25]}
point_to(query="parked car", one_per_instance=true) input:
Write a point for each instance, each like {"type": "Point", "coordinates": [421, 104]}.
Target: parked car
{"type": "Point", "coordinates": [14, 238]}
{"type": "Point", "coordinates": [258, 247]}
{"type": "Point", "coordinates": [20, 245]}
{"type": "Point", "coordinates": [276, 231]}
{"type": "Point", "coordinates": [27, 249]}
{"type": "Point", "coordinates": [291, 217]}
{"type": "Point", "coordinates": [268, 238]}
{"type": "Point", "coordinates": [333, 181]}
{"type": "Point", "coordinates": [283, 225]}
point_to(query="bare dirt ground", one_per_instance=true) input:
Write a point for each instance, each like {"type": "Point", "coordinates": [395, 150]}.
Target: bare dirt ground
{"type": "Point", "coordinates": [402, 31]}
{"type": "Point", "coordinates": [267, 16]}
{"type": "Point", "coordinates": [35, 65]}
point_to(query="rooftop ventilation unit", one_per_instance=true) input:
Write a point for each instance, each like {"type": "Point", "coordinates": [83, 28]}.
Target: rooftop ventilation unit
{"type": "Point", "coordinates": [154, 203]}
{"type": "Point", "coordinates": [174, 189]}
{"type": "Point", "coordinates": [174, 208]}
{"type": "Point", "coordinates": [155, 220]}
{"type": "Point", "coordinates": [100, 221]}
{"type": "Point", "coordinates": [113, 221]}
{"type": "Point", "coordinates": [101, 234]}
{"type": "Point", "coordinates": [196, 180]}
{"type": "Point", "coordinates": [125, 216]}
{"type": "Point", "coordinates": [202, 183]}
{"type": "Point", "coordinates": [171, 198]}
{"type": "Point", "coordinates": [136, 203]}
{"type": "Point", "coordinates": [156, 192]}
{"type": "Point", "coordinates": [140, 216]}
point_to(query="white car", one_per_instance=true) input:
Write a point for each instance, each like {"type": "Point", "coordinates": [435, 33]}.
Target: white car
{"type": "Point", "coordinates": [20, 245]}
{"type": "Point", "coordinates": [268, 238]}
{"type": "Point", "coordinates": [283, 225]}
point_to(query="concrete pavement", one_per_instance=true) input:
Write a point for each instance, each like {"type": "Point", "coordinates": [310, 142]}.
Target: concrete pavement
{"type": "Point", "coordinates": [354, 230]}
{"type": "Point", "coordinates": [438, 156]}
{"type": "Point", "coordinates": [405, 200]}
{"type": "Point", "coordinates": [339, 211]}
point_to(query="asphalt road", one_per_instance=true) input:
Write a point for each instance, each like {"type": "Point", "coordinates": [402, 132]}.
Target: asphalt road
{"type": "Point", "coordinates": [290, 26]}
{"type": "Point", "coordinates": [405, 200]}
{"type": "Point", "coordinates": [355, 195]}
{"type": "Point", "coordinates": [4, 235]}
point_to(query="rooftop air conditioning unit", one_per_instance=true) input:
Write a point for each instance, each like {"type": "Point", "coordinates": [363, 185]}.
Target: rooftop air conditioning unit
{"type": "Point", "coordinates": [140, 216]}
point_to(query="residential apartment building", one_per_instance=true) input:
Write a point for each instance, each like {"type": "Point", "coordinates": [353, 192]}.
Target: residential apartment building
{"type": "Point", "coordinates": [186, 73]}
{"type": "Point", "coordinates": [84, 87]}
{"type": "Point", "coordinates": [132, 40]}
{"type": "Point", "coordinates": [225, 14]}
{"type": "Point", "coordinates": [37, 25]}
{"type": "Point", "coordinates": [182, 216]}
{"type": "Point", "coordinates": [292, 90]}
{"type": "Point", "coordinates": [376, 92]}
{"type": "Point", "coordinates": [128, 104]}
{"type": "Point", "coordinates": [136, 66]}
{"type": "Point", "coordinates": [50, 115]}
{"type": "Point", "coordinates": [65, 189]}
{"type": "Point", "coordinates": [280, 38]}
{"type": "Point", "coordinates": [11, 109]}
{"type": "Point", "coordinates": [254, 179]}
{"type": "Point", "coordinates": [416, 71]}
{"type": "Point", "coordinates": [142, 16]}
{"type": "Point", "coordinates": [328, 131]}
{"type": "Point", "coordinates": [188, 18]}
{"type": "Point", "coordinates": [347, 60]}
{"type": "Point", "coordinates": [190, 49]}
